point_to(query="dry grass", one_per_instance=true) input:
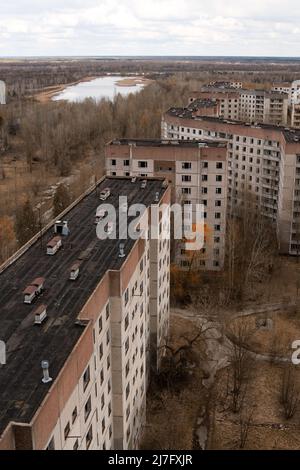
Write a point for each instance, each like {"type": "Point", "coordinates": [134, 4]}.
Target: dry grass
{"type": "Point", "coordinates": [270, 429]}
{"type": "Point", "coordinates": [278, 339]}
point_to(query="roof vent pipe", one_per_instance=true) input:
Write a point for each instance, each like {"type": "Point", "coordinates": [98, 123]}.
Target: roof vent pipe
{"type": "Point", "coordinates": [45, 366]}
{"type": "Point", "coordinates": [121, 252]}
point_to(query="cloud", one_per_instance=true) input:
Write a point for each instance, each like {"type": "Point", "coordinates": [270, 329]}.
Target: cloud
{"type": "Point", "coordinates": [155, 27]}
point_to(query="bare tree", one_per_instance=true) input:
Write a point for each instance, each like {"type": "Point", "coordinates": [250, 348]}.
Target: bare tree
{"type": "Point", "coordinates": [251, 245]}
{"type": "Point", "coordinates": [174, 364]}
{"type": "Point", "coordinates": [246, 420]}
{"type": "Point", "coordinates": [289, 397]}
{"type": "Point", "coordinates": [240, 363]}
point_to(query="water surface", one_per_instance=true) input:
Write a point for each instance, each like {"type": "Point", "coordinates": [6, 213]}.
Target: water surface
{"type": "Point", "coordinates": [103, 87]}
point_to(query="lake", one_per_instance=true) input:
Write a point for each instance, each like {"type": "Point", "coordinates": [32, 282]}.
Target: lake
{"type": "Point", "coordinates": [104, 87]}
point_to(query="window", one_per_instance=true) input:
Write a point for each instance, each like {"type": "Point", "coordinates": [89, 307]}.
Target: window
{"type": "Point", "coordinates": [107, 337]}
{"type": "Point", "coordinates": [51, 445]}
{"type": "Point", "coordinates": [108, 387]}
{"type": "Point", "coordinates": [217, 215]}
{"type": "Point", "coordinates": [186, 165]}
{"type": "Point", "coordinates": [204, 177]}
{"type": "Point", "coordinates": [142, 164]}
{"type": "Point", "coordinates": [126, 323]}
{"type": "Point", "coordinates": [204, 164]}
{"type": "Point", "coordinates": [126, 296]}
{"type": "Point", "coordinates": [126, 162]}
{"type": "Point", "coordinates": [74, 415]}
{"type": "Point", "coordinates": [100, 324]}
{"type": "Point", "coordinates": [127, 390]}
{"type": "Point", "coordinates": [86, 378]}
{"type": "Point", "coordinates": [107, 311]}
{"type": "Point", "coordinates": [218, 177]}
{"type": "Point", "coordinates": [127, 412]}
{"type": "Point", "coordinates": [217, 203]}
{"type": "Point", "coordinates": [87, 408]}
{"type": "Point", "coordinates": [101, 377]}
{"type": "Point", "coordinates": [101, 351]}
{"type": "Point", "coordinates": [186, 190]}
{"type": "Point", "coordinates": [76, 445]}
{"type": "Point", "coordinates": [127, 369]}
{"type": "Point", "coordinates": [89, 437]}
{"type": "Point", "coordinates": [103, 425]}
{"type": "Point", "coordinates": [204, 190]}
{"type": "Point", "coordinates": [113, 162]}
{"type": "Point", "coordinates": [108, 362]}
{"type": "Point", "coordinates": [102, 401]}
{"type": "Point", "coordinates": [67, 430]}
{"type": "Point", "coordinates": [218, 190]}
{"type": "Point", "coordinates": [109, 409]}
{"type": "Point", "coordinates": [186, 178]}
{"type": "Point", "coordinates": [219, 165]}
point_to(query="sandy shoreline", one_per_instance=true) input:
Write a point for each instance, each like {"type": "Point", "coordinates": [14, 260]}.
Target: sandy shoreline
{"type": "Point", "coordinates": [48, 93]}
{"type": "Point", "coordinates": [134, 81]}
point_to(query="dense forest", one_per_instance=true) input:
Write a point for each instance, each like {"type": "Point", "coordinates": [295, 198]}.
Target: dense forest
{"type": "Point", "coordinates": [56, 148]}
{"type": "Point", "coordinates": [44, 143]}
{"type": "Point", "coordinates": [27, 76]}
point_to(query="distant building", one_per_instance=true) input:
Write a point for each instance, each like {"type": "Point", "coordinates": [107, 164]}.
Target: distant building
{"type": "Point", "coordinates": [196, 171]}
{"type": "Point", "coordinates": [295, 115]}
{"type": "Point", "coordinates": [220, 84]}
{"type": "Point", "coordinates": [246, 105]}
{"type": "Point", "coordinates": [2, 92]}
{"type": "Point", "coordinates": [263, 159]}
{"type": "Point", "coordinates": [293, 91]}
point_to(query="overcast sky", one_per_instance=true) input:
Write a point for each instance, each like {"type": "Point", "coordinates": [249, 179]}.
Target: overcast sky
{"type": "Point", "coordinates": [150, 27]}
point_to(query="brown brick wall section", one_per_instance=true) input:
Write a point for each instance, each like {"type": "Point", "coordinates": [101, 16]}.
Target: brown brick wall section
{"type": "Point", "coordinates": [7, 439]}
{"type": "Point", "coordinates": [46, 417]}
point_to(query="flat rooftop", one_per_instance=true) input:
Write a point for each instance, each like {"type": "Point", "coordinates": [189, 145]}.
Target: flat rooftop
{"type": "Point", "coordinates": [168, 143]}
{"type": "Point", "coordinates": [203, 103]}
{"type": "Point", "coordinates": [291, 135]}
{"type": "Point", "coordinates": [21, 387]}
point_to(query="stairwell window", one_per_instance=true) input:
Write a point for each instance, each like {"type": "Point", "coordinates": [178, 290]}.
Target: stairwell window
{"type": "Point", "coordinates": [126, 296]}
{"type": "Point", "coordinates": [51, 445]}
{"type": "Point", "coordinates": [86, 378]}
{"type": "Point", "coordinates": [87, 409]}
{"type": "Point", "coordinates": [74, 415]}
{"type": "Point", "coordinates": [89, 437]}
{"type": "Point", "coordinates": [67, 430]}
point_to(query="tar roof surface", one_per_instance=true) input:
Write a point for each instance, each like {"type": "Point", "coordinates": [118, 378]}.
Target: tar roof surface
{"type": "Point", "coordinates": [167, 143]}
{"type": "Point", "coordinates": [21, 388]}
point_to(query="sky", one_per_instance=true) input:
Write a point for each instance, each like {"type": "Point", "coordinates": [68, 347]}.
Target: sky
{"type": "Point", "coordinates": [149, 27]}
